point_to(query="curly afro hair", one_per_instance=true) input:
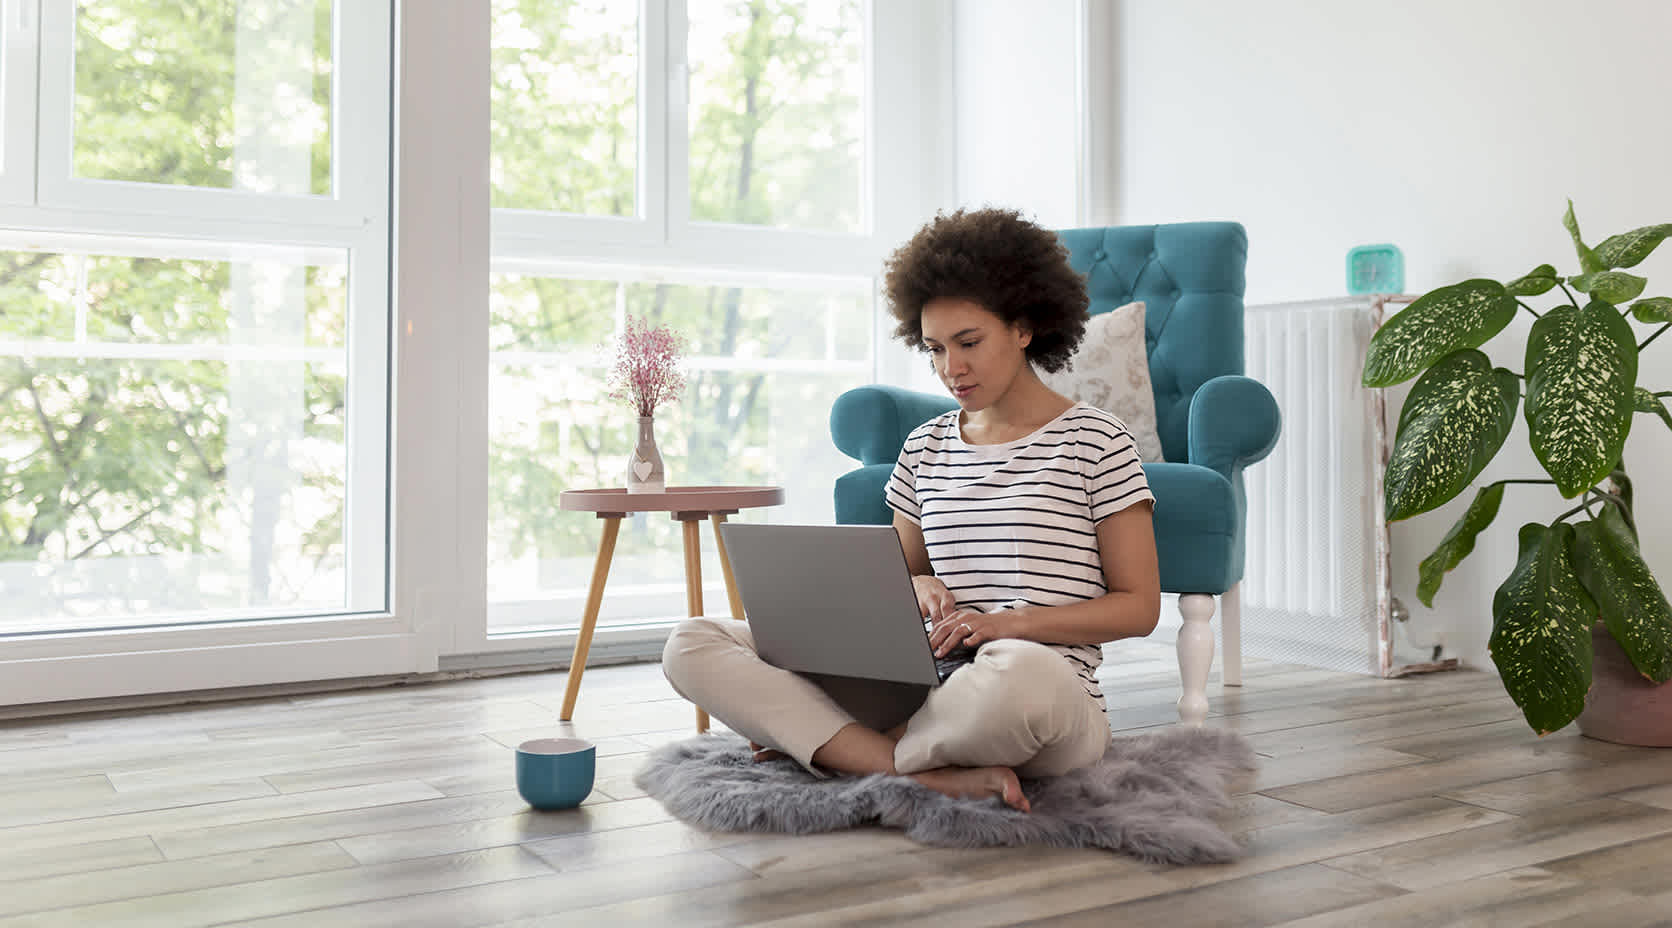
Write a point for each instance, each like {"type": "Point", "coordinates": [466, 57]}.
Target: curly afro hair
{"type": "Point", "coordinates": [992, 257]}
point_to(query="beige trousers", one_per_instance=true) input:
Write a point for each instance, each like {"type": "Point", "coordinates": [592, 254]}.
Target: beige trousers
{"type": "Point", "coordinates": [1019, 704]}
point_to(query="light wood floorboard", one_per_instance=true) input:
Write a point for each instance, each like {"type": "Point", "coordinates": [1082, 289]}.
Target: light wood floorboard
{"type": "Point", "coordinates": [1421, 801]}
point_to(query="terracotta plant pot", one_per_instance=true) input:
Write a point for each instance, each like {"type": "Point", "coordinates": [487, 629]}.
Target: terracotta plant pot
{"type": "Point", "coordinates": [1622, 705]}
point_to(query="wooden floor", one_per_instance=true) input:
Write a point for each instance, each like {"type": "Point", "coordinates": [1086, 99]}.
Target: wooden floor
{"type": "Point", "coordinates": [1423, 801]}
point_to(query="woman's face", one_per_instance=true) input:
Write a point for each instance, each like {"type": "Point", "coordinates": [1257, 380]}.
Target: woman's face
{"type": "Point", "coordinates": [975, 353]}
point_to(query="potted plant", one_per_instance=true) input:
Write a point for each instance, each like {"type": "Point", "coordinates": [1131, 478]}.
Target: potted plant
{"type": "Point", "coordinates": [1579, 394]}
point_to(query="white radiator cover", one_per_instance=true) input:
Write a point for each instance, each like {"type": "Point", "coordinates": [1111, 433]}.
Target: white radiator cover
{"type": "Point", "coordinates": [1315, 590]}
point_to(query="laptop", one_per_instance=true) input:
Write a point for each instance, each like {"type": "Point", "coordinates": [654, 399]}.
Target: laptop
{"type": "Point", "coordinates": [836, 600]}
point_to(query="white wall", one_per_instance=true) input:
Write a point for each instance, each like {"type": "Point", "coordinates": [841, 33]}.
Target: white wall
{"type": "Point", "coordinates": [1452, 129]}
{"type": "Point", "coordinates": [914, 48]}
{"type": "Point", "coordinates": [1017, 114]}
{"type": "Point", "coordinates": [1015, 118]}
{"type": "Point", "coordinates": [1010, 126]}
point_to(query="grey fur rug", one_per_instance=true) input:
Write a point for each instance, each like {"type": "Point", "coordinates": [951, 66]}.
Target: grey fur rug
{"type": "Point", "coordinates": [1152, 796]}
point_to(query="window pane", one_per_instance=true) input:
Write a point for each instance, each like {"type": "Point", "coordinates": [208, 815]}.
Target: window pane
{"type": "Point", "coordinates": [228, 94]}
{"type": "Point", "coordinates": [565, 105]}
{"type": "Point", "coordinates": [172, 433]}
{"type": "Point", "coordinates": [777, 112]}
{"type": "Point", "coordinates": [763, 368]}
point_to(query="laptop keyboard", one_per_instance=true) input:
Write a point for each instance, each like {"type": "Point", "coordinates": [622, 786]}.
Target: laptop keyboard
{"type": "Point", "coordinates": [954, 659]}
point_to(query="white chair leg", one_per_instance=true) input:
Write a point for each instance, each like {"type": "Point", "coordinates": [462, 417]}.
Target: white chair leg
{"type": "Point", "coordinates": [1195, 647]}
{"type": "Point", "coordinates": [1230, 635]}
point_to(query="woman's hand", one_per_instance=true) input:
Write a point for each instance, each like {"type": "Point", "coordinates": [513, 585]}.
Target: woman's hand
{"type": "Point", "coordinates": [936, 601]}
{"type": "Point", "coordinates": [966, 628]}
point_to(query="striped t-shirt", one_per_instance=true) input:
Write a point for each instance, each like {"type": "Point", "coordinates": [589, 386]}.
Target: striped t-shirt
{"type": "Point", "coordinates": [1014, 524]}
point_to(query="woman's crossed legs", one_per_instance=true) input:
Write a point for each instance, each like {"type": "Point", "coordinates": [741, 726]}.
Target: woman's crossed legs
{"type": "Point", "coordinates": [1018, 709]}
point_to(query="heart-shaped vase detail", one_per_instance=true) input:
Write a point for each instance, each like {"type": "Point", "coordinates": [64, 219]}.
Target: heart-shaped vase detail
{"type": "Point", "coordinates": [641, 468]}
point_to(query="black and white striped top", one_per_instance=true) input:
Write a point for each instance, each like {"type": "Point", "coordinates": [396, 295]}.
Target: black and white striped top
{"type": "Point", "coordinates": [1015, 523]}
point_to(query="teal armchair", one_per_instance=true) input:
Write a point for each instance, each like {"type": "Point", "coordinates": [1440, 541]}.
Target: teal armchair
{"type": "Point", "coordinates": [1213, 421]}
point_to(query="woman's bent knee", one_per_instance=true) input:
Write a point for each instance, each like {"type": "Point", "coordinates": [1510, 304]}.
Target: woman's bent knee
{"type": "Point", "coordinates": [1030, 685]}
{"type": "Point", "coordinates": [1030, 673]}
{"type": "Point", "coordinates": [1025, 658]}
{"type": "Point", "coordinates": [682, 654]}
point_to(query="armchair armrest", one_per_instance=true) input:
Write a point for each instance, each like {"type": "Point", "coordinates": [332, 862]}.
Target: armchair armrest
{"type": "Point", "coordinates": [1234, 421]}
{"type": "Point", "coordinates": [871, 423]}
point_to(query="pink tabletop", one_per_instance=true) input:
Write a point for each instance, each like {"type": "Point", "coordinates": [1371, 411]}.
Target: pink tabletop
{"type": "Point", "coordinates": [673, 499]}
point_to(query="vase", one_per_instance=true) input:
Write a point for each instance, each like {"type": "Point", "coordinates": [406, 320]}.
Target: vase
{"type": "Point", "coordinates": [644, 465]}
{"type": "Point", "coordinates": [1622, 706]}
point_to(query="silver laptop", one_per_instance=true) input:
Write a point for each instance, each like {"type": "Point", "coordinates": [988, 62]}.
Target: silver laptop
{"type": "Point", "coordinates": [836, 600]}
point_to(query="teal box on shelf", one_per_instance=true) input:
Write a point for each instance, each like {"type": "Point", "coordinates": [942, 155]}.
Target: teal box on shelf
{"type": "Point", "coordinates": [1375, 269]}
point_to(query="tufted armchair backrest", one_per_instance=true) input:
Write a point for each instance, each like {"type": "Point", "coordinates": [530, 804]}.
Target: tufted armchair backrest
{"type": "Point", "coordinates": [1190, 278]}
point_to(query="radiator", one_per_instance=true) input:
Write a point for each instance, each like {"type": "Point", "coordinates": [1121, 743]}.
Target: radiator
{"type": "Point", "coordinates": [1316, 588]}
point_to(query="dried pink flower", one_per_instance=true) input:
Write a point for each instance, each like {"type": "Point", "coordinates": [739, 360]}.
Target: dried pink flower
{"type": "Point", "coordinates": [645, 372]}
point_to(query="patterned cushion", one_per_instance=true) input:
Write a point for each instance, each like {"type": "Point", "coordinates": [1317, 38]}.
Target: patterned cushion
{"type": "Point", "coordinates": [1110, 370]}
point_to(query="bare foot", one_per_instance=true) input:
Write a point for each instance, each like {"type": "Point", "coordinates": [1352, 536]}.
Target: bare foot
{"type": "Point", "coordinates": [764, 753]}
{"type": "Point", "coordinates": [976, 783]}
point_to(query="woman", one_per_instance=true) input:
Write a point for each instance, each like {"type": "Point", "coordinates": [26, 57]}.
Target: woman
{"type": "Point", "coordinates": [1025, 519]}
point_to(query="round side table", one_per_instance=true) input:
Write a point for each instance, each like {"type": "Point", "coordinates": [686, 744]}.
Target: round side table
{"type": "Point", "coordinates": [689, 506]}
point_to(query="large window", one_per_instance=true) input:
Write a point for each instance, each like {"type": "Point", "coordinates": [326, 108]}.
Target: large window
{"type": "Point", "coordinates": [777, 113]}
{"type": "Point", "coordinates": [302, 322]}
{"type": "Point", "coordinates": [566, 106]}
{"type": "Point", "coordinates": [753, 242]}
{"type": "Point", "coordinates": [193, 340]}
{"type": "Point", "coordinates": [224, 95]}
{"type": "Point", "coordinates": [765, 365]}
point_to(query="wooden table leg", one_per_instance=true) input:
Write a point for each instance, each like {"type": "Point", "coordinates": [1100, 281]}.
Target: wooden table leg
{"type": "Point", "coordinates": [725, 567]}
{"type": "Point", "coordinates": [693, 585]}
{"type": "Point", "coordinates": [589, 619]}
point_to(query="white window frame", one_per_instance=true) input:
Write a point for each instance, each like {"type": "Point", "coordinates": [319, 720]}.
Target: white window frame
{"type": "Point", "coordinates": [437, 344]}
{"type": "Point", "coordinates": [358, 171]}
{"type": "Point", "coordinates": [381, 632]}
{"type": "Point", "coordinates": [646, 634]}
{"type": "Point", "coordinates": [648, 225]}
{"type": "Point", "coordinates": [907, 74]}
{"type": "Point", "coordinates": [18, 55]}
{"type": "Point", "coordinates": [665, 236]}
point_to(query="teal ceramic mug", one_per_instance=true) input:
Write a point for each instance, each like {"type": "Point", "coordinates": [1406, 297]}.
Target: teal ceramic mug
{"type": "Point", "coordinates": [555, 773]}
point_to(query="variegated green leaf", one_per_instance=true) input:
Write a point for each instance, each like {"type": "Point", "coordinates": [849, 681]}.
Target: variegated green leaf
{"type": "Point", "coordinates": [1644, 401]}
{"type": "Point", "coordinates": [1588, 260]}
{"type": "Point", "coordinates": [1616, 287]}
{"type": "Point", "coordinates": [1541, 629]}
{"type": "Point", "coordinates": [1456, 418]}
{"type": "Point", "coordinates": [1633, 607]}
{"type": "Point", "coordinates": [1464, 315]}
{"type": "Point", "coordinates": [1534, 282]}
{"type": "Point", "coordinates": [1458, 542]}
{"type": "Point", "coordinates": [1581, 378]}
{"type": "Point", "coordinates": [1629, 248]}
{"type": "Point", "coordinates": [1653, 309]}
